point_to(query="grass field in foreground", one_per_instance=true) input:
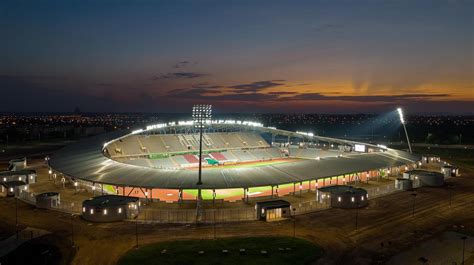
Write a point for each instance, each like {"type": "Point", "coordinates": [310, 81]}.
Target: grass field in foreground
{"type": "Point", "coordinates": [186, 252]}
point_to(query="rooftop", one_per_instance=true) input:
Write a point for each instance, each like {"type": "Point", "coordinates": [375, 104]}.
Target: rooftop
{"type": "Point", "coordinates": [340, 189]}
{"type": "Point", "coordinates": [109, 200]}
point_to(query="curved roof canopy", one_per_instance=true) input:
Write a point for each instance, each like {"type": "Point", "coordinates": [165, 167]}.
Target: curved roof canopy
{"type": "Point", "coordinates": [85, 160]}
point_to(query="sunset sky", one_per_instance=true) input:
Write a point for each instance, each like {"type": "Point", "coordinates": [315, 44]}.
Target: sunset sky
{"type": "Point", "coordinates": [241, 56]}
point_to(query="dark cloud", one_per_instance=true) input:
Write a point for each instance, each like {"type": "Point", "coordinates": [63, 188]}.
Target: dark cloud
{"type": "Point", "coordinates": [206, 85]}
{"type": "Point", "coordinates": [255, 86]}
{"type": "Point", "coordinates": [105, 84]}
{"type": "Point", "coordinates": [327, 27]}
{"type": "Point", "coordinates": [250, 97]}
{"type": "Point", "coordinates": [191, 93]}
{"type": "Point", "coordinates": [282, 93]}
{"type": "Point", "coordinates": [181, 64]}
{"type": "Point", "coordinates": [178, 75]}
{"type": "Point", "coordinates": [371, 98]}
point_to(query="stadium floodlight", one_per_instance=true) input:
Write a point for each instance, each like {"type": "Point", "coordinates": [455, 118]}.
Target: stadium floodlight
{"type": "Point", "coordinates": [202, 115]}
{"type": "Point", "coordinates": [402, 120]}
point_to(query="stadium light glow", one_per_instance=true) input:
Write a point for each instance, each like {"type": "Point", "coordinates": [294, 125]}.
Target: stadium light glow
{"type": "Point", "coordinates": [400, 113]}
{"type": "Point", "coordinates": [402, 120]}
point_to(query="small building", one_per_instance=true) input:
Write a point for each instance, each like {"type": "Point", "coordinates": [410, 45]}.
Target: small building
{"type": "Point", "coordinates": [110, 208]}
{"type": "Point", "coordinates": [13, 188]}
{"type": "Point", "coordinates": [17, 164]}
{"type": "Point", "coordinates": [422, 178]}
{"type": "Point", "coordinates": [48, 200]}
{"type": "Point", "coordinates": [430, 159]}
{"type": "Point", "coordinates": [27, 176]}
{"type": "Point", "coordinates": [273, 210]}
{"type": "Point", "coordinates": [343, 196]}
{"type": "Point", "coordinates": [403, 184]}
{"type": "Point", "coordinates": [449, 171]}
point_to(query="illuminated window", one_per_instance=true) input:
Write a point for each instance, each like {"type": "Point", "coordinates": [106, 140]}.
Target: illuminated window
{"type": "Point", "coordinates": [352, 199]}
{"type": "Point", "coordinates": [105, 211]}
{"type": "Point", "coordinates": [119, 210]}
{"type": "Point", "coordinates": [362, 198]}
{"type": "Point", "coordinates": [92, 211]}
{"type": "Point", "coordinates": [83, 209]}
{"type": "Point", "coordinates": [339, 199]}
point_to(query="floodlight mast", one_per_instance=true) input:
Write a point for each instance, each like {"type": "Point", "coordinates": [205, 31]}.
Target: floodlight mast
{"type": "Point", "coordinates": [402, 120]}
{"type": "Point", "coordinates": [201, 115]}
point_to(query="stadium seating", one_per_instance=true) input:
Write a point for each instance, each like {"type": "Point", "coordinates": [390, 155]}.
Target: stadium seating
{"type": "Point", "coordinates": [218, 156]}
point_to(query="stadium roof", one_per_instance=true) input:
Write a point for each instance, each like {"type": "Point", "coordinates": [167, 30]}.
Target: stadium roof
{"type": "Point", "coordinates": [85, 160]}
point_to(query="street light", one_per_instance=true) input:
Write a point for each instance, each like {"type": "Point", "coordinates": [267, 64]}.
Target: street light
{"type": "Point", "coordinates": [16, 215]}
{"type": "Point", "coordinates": [136, 234]}
{"type": "Point", "coordinates": [414, 201]}
{"type": "Point", "coordinates": [402, 120]}
{"type": "Point", "coordinates": [450, 187]}
{"type": "Point", "coordinates": [294, 222]}
{"type": "Point", "coordinates": [72, 231]}
{"type": "Point", "coordinates": [463, 247]}
{"type": "Point", "coordinates": [357, 215]}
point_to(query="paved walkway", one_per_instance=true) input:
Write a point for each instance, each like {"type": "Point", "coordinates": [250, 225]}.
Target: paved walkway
{"type": "Point", "coordinates": [10, 244]}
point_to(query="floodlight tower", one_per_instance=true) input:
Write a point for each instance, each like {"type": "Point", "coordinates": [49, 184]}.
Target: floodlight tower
{"type": "Point", "coordinates": [202, 115]}
{"type": "Point", "coordinates": [402, 120]}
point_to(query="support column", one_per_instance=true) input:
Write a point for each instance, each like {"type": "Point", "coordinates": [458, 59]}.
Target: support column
{"type": "Point", "coordinates": [301, 187]}
{"type": "Point", "coordinates": [213, 196]}
{"type": "Point", "coordinates": [272, 191]}
{"type": "Point", "coordinates": [294, 188]}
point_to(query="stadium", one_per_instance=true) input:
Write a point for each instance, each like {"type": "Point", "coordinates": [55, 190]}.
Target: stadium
{"type": "Point", "coordinates": [241, 160]}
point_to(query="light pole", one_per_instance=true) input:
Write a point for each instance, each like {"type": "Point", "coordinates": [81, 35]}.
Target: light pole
{"type": "Point", "coordinates": [72, 231]}
{"type": "Point", "coordinates": [402, 120]}
{"type": "Point", "coordinates": [357, 215]}
{"type": "Point", "coordinates": [294, 222]}
{"type": "Point", "coordinates": [463, 247]}
{"type": "Point", "coordinates": [414, 201]}
{"type": "Point", "coordinates": [202, 115]}
{"type": "Point", "coordinates": [450, 187]}
{"type": "Point", "coordinates": [215, 232]}
{"type": "Point", "coordinates": [136, 234]}
{"type": "Point", "coordinates": [16, 216]}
